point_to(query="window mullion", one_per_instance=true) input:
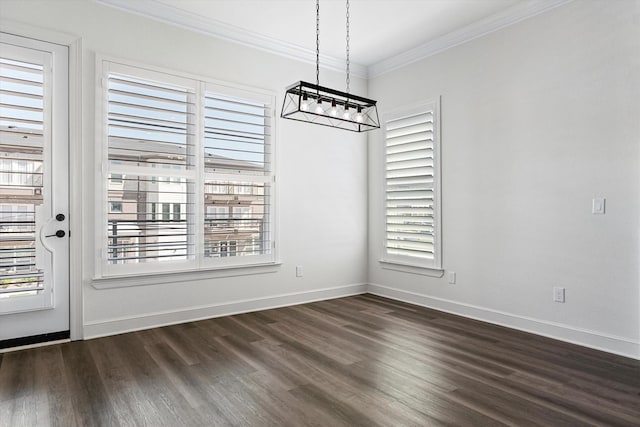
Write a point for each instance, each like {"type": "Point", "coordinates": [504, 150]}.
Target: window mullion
{"type": "Point", "coordinates": [102, 196]}
{"type": "Point", "coordinates": [199, 170]}
{"type": "Point", "coordinates": [238, 177]}
{"type": "Point", "coordinates": [150, 171]}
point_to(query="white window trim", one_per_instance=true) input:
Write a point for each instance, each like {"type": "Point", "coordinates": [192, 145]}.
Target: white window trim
{"type": "Point", "coordinates": [411, 268]}
{"type": "Point", "coordinates": [113, 282]}
{"type": "Point", "coordinates": [106, 277]}
{"type": "Point", "coordinates": [398, 263]}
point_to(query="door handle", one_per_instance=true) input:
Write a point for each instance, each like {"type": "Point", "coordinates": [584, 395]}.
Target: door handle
{"type": "Point", "coordinates": [60, 217]}
{"type": "Point", "coordinates": [59, 233]}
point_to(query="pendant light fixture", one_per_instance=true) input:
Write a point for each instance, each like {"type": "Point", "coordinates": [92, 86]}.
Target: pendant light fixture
{"type": "Point", "coordinates": [312, 103]}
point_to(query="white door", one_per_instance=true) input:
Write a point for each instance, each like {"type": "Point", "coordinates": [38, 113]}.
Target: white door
{"type": "Point", "coordinates": [34, 233]}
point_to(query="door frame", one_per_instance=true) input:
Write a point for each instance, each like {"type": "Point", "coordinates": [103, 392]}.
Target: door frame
{"type": "Point", "coordinates": [76, 169]}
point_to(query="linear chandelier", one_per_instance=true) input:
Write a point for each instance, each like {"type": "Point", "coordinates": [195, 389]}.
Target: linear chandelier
{"type": "Point", "coordinates": [312, 103]}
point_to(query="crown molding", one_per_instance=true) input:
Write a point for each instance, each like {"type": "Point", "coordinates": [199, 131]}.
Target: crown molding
{"type": "Point", "coordinates": [495, 22]}
{"type": "Point", "coordinates": [178, 17]}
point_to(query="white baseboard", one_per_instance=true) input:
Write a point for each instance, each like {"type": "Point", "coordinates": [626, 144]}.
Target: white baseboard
{"type": "Point", "coordinates": [30, 346]}
{"type": "Point", "coordinates": [613, 344]}
{"type": "Point", "coordinates": [600, 341]}
{"type": "Point", "coordinates": [153, 320]}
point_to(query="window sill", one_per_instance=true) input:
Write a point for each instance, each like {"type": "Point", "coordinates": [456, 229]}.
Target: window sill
{"type": "Point", "coordinates": [412, 268]}
{"type": "Point", "coordinates": [114, 282]}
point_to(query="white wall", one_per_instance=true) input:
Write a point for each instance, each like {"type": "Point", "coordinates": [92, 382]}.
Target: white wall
{"type": "Point", "coordinates": [322, 173]}
{"type": "Point", "coordinates": [537, 119]}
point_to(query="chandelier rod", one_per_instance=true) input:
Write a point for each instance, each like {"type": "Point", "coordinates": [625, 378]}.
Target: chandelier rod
{"type": "Point", "coordinates": [348, 62]}
{"type": "Point", "coordinates": [318, 42]}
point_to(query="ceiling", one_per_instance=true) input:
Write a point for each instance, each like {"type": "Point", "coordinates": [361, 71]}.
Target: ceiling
{"type": "Point", "coordinates": [380, 30]}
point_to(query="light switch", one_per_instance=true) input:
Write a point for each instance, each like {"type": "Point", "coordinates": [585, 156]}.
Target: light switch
{"type": "Point", "coordinates": [597, 205]}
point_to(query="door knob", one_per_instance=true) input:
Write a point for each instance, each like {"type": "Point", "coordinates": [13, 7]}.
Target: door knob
{"type": "Point", "coordinates": [59, 233]}
{"type": "Point", "coordinates": [60, 217]}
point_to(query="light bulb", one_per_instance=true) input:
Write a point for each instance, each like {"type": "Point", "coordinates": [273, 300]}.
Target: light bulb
{"type": "Point", "coordinates": [304, 105]}
{"type": "Point", "coordinates": [346, 115]}
{"type": "Point", "coordinates": [319, 109]}
{"type": "Point", "coordinates": [359, 115]}
{"type": "Point", "coordinates": [334, 109]}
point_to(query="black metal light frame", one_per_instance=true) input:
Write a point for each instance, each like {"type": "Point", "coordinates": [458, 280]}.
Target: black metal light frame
{"type": "Point", "coordinates": [311, 103]}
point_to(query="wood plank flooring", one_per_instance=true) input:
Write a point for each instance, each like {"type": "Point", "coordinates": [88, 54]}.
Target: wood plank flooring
{"type": "Point", "coordinates": [356, 361]}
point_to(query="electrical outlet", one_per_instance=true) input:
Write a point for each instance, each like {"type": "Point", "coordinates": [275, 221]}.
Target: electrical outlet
{"type": "Point", "coordinates": [558, 294]}
{"type": "Point", "coordinates": [452, 277]}
{"type": "Point", "coordinates": [299, 271]}
{"type": "Point", "coordinates": [598, 205]}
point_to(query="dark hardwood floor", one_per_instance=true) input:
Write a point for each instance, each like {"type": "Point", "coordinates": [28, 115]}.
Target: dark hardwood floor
{"type": "Point", "coordinates": [357, 361]}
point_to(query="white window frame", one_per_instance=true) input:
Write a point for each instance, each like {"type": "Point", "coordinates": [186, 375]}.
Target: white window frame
{"type": "Point", "coordinates": [105, 271]}
{"type": "Point", "coordinates": [242, 211]}
{"type": "Point", "coordinates": [217, 209]}
{"type": "Point", "coordinates": [407, 263]}
{"type": "Point", "coordinates": [113, 205]}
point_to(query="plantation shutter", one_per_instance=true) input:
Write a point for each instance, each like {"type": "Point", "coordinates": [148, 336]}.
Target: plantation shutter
{"type": "Point", "coordinates": [410, 190]}
{"type": "Point", "coordinates": [238, 175]}
{"type": "Point", "coordinates": [149, 123]}
{"type": "Point", "coordinates": [236, 135]}
{"type": "Point", "coordinates": [151, 158]}
{"type": "Point", "coordinates": [188, 173]}
{"type": "Point", "coordinates": [24, 101]}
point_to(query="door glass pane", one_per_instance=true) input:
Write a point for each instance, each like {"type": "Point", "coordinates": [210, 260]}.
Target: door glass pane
{"type": "Point", "coordinates": [21, 175]}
